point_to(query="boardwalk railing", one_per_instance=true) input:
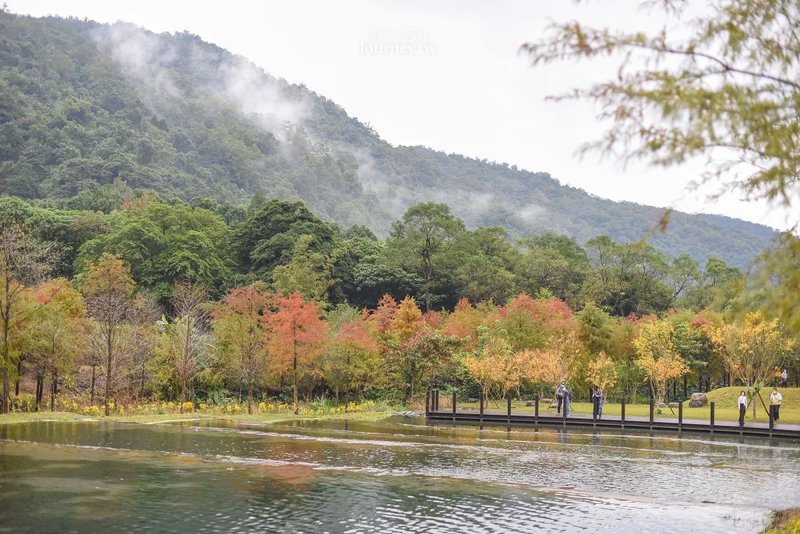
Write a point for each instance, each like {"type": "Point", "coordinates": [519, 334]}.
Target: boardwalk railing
{"type": "Point", "coordinates": [435, 411]}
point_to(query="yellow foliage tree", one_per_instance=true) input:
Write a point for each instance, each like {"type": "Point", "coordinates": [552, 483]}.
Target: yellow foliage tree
{"type": "Point", "coordinates": [492, 366]}
{"type": "Point", "coordinates": [483, 371]}
{"type": "Point", "coordinates": [509, 367]}
{"type": "Point", "coordinates": [657, 356]}
{"type": "Point", "coordinates": [602, 372]}
{"type": "Point", "coordinates": [752, 350]}
{"type": "Point", "coordinates": [554, 363]}
{"type": "Point", "coordinates": [408, 319]}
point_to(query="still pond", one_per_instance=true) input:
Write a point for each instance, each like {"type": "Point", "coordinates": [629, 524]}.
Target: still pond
{"type": "Point", "coordinates": [396, 475]}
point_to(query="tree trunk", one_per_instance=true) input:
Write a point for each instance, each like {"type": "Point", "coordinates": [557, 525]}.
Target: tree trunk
{"type": "Point", "coordinates": [54, 390]}
{"type": "Point", "coordinates": [249, 396]}
{"type": "Point", "coordinates": [294, 371]}
{"type": "Point", "coordinates": [39, 388]}
{"type": "Point", "coordinates": [19, 375]}
{"type": "Point", "coordinates": [186, 357]}
{"type": "Point", "coordinates": [94, 379]}
{"type": "Point", "coordinates": [426, 272]}
{"type": "Point", "coordinates": [294, 384]}
{"type": "Point", "coordinates": [5, 389]}
{"type": "Point", "coordinates": [5, 357]}
{"type": "Point", "coordinates": [183, 395]}
{"type": "Point", "coordinates": [109, 354]}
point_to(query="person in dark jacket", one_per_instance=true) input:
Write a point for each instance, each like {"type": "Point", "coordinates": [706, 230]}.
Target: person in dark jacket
{"type": "Point", "coordinates": [597, 402]}
{"type": "Point", "coordinates": [561, 391]}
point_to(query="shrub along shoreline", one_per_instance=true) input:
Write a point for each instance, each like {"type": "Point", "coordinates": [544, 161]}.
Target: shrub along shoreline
{"type": "Point", "coordinates": [366, 411]}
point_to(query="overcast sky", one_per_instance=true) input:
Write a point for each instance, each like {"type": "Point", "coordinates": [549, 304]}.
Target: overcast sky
{"type": "Point", "coordinates": [441, 74]}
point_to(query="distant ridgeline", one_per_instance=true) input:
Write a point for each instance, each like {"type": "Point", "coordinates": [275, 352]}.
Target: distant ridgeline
{"type": "Point", "coordinates": [84, 104]}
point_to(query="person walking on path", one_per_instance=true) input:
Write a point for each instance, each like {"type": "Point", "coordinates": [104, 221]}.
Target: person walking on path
{"type": "Point", "coordinates": [775, 399]}
{"type": "Point", "coordinates": [597, 400]}
{"type": "Point", "coordinates": [560, 395]}
{"type": "Point", "coordinates": [784, 378]}
{"type": "Point", "coordinates": [742, 408]}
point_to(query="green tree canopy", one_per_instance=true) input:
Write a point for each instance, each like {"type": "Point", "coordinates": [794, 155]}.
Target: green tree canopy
{"type": "Point", "coordinates": [419, 242]}
{"type": "Point", "coordinates": [164, 243]}
{"type": "Point", "coordinates": [267, 237]}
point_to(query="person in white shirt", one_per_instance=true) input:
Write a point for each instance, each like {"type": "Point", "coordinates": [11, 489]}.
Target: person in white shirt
{"type": "Point", "coordinates": [775, 399]}
{"type": "Point", "coordinates": [742, 408]}
{"type": "Point", "coordinates": [784, 378]}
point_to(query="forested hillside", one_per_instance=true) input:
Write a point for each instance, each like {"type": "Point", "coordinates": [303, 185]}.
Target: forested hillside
{"type": "Point", "coordinates": [84, 104]}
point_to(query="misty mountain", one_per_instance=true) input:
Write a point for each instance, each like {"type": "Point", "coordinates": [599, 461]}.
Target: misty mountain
{"type": "Point", "coordinates": [83, 104]}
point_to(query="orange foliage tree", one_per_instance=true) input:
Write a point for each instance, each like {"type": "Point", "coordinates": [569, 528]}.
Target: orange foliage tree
{"type": "Point", "coordinates": [296, 336]}
{"type": "Point", "coordinates": [466, 320]}
{"type": "Point", "coordinates": [529, 322]}
{"type": "Point", "coordinates": [382, 318]}
{"type": "Point", "coordinates": [415, 352]}
{"type": "Point", "coordinates": [240, 334]}
{"type": "Point", "coordinates": [351, 359]}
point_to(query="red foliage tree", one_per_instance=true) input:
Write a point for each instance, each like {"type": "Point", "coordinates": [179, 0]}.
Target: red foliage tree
{"type": "Point", "coordinates": [296, 336]}
{"type": "Point", "coordinates": [383, 316]}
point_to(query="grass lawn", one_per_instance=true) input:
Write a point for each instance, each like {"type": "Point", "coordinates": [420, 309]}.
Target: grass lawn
{"type": "Point", "coordinates": [725, 407]}
{"type": "Point", "coordinates": [785, 522]}
{"type": "Point", "coordinates": [378, 413]}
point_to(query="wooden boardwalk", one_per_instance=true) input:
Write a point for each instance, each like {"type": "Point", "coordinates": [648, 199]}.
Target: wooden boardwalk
{"type": "Point", "coordinates": [481, 416]}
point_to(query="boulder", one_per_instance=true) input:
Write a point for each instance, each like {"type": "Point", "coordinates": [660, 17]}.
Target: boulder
{"type": "Point", "coordinates": [698, 400]}
{"type": "Point", "coordinates": [673, 404]}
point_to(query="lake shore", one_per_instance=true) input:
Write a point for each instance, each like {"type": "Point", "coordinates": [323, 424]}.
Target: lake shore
{"type": "Point", "coordinates": [784, 522]}
{"type": "Point", "coordinates": [26, 417]}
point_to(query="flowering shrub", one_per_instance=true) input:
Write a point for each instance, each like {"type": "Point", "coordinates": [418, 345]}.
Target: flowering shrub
{"type": "Point", "coordinates": [225, 407]}
{"type": "Point", "coordinates": [23, 403]}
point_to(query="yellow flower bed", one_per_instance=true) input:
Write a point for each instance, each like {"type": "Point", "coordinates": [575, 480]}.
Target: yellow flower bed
{"type": "Point", "coordinates": [228, 408]}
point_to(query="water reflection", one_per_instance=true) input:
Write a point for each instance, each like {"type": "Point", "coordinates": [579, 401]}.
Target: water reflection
{"type": "Point", "coordinates": [397, 475]}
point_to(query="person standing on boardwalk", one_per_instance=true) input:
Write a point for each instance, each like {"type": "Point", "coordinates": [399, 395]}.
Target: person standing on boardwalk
{"type": "Point", "coordinates": [742, 408]}
{"type": "Point", "coordinates": [597, 402]}
{"type": "Point", "coordinates": [560, 395]}
{"type": "Point", "coordinates": [775, 399]}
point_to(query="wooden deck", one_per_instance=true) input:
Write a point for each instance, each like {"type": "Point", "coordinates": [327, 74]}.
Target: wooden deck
{"type": "Point", "coordinates": [652, 423]}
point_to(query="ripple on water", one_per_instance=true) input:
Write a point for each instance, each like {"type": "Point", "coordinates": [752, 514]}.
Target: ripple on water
{"type": "Point", "coordinates": [305, 478]}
